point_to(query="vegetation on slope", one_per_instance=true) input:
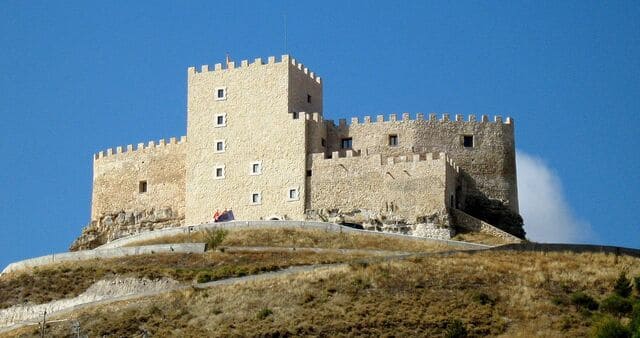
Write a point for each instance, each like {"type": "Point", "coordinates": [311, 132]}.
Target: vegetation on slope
{"type": "Point", "coordinates": [307, 238]}
{"type": "Point", "coordinates": [513, 294]}
{"type": "Point", "coordinates": [68, 280]}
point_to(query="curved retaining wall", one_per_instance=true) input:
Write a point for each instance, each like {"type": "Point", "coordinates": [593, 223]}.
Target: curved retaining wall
{"type": "Point", "coordinates": [274, 225]}
{"type": "Point", "coordinates": [106, 253]}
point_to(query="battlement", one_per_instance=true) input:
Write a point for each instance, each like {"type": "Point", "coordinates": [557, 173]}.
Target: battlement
{"type": "Point", "coordinates": [338, 156]}
{"type": "Point", "coordinates": [432, 117]}
{"type": "Point", "coordinates": [141, 146]}
{"type": "Point", "coordinates": [245, 64]}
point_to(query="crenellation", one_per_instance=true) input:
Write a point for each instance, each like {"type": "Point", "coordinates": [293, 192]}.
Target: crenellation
{"type": "Point", "coordinates": [109, 151]}
{"type": "Point", "coordinates": [172, 140]}
{"type": "Point", "coordinates": [484, 118]}
{"type": "Point", "coordinates": [406, 116]}
{"type": "Point", "coordinates": [472, 118]}
{"type": "Point", "coordinates": [459, 118]}
{"type": "Point", "coordinates": [162, 142]}
{"type": "Point", "coordinates": [380, 118]}
{"type": "Point", "coordinates": [393, 117]}
{"type": "Point", "coordinates": [497, 119]}
{"type": "Point", "coordinates": [354, 121]}
{"type": "Point", "coordinates": [433, 117]}
{"type": "Point", "coordinates": [118, 150]}
{"type": "Point", "coordinates": [231, 65]}
{"type": "Point", "coordinates": [204, 68]}
{"type": "Point", "coordinates": [217, 66]}
{"type": "Point", "coordinates": [244, 63]}
{"type": "Point", "coordinates": [419, 116]}
{"type": "Point", "coordinates": [257, 62]}
{"type": "Point", "coordinates": [367, 119]}
{"type": "Point", "coordinates": [271, 60]}
{"type": "Point", "coordinates": [129, 148]}
{"type": "Point", "coordinates": [342, 123]}
{"type": "Point", "coordinates": [509, 120]}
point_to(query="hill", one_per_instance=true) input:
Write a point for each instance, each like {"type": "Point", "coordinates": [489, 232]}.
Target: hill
{"type": "Point", "coordinates": [307, 282]}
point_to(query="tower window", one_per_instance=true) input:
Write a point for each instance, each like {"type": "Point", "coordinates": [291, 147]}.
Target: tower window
{"type": "Point", "coordinates": [323, 142]}
{"type": "Point", "coordinates": [295, 115]}
{"type": "Point", "coordinates": [220, 146]}
{"type": "Point", "coordinates": [220, 120]}
{"type": "Point", "coordinates": [293, 194]}
{"type": "Point", "coordinates": [467, 141]}
{"type": "Point", "coordinates": [142, 187]}
{"type": "Point", "coordinates": [309, 172]}
{"type": "Point", "coordinates": [256, 198]}
{"type": "Point", "coordinates": [346, 143]}
{"type": "Point", "coordinates": [256, 168]}
{"type": "Point", "coordinates": [220, 93]}
{"type": "Point", "coordinates": [219, 171]}
{"type": "Point", "coordinates": [308, 98]}
{"type": "Point", "coordinates": [393, 140]}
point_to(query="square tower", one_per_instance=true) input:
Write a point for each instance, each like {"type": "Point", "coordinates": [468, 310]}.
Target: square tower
{"type": "Point", "coordinates": [246, 139]}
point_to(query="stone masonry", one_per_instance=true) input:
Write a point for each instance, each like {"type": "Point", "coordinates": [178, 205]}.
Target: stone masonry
{"type": "Point", "coordinates": [257, 144]}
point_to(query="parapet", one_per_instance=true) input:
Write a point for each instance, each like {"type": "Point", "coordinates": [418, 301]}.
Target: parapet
{"type": "Point", "coordinates": [339, 156]}
{"type": "Point", "coordinates": [141, 146]}
{"type": "Point", "coordinates": [245, 64]}
{"type": "Point", "coordinates": [432, 117]}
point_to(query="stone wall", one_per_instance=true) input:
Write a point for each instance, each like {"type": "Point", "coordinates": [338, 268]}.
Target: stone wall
{"type": "Point", "coordinates": [382, 189]}
{"type": "Point", "coordinates": [117, 176]}
{"type": "Point", "coordinates": [470, 223]}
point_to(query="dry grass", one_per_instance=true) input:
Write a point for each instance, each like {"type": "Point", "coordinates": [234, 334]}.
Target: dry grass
{"type": "Point", "coordinates": [416, 297]}
{"type": "Point", "coordinates": [309, 238]}
{"type": "Point", "coordinates": [68, 280]}
{"type": "Point", "coordinates": [479, 237]}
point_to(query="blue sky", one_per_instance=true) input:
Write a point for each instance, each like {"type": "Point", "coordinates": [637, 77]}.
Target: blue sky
{"type": "Point", "coordinates": [79, 77]}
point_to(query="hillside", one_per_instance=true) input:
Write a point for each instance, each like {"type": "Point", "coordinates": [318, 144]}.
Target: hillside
{"type": "Point", "coordinates": [340, 285]}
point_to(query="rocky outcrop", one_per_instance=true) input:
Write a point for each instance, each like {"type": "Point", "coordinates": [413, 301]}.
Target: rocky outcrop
{"type": "Point", "coordinates": [124, 223]}
{"type": "Point", "coordinates": [437, 225]}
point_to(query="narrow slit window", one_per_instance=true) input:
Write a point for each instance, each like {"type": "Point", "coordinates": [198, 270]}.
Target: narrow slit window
{"type": "Point", "coordinates": [220, 146]}
{"type": "Point", "coordinates": [142, 187]}
{"type": "Point", "coordinates": [308, 98]}
{"type": "Point", "coordinates": [295, 115]}
{"type": "Point", "coordinates": [323, 142]}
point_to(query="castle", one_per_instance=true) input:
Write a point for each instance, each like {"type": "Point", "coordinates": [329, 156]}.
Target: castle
{"type": "Point", "coordinates": [257, 144]}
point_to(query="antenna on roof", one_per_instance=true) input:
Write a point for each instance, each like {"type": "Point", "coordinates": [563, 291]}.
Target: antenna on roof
{"type": "Point", "coordinates": [285, 32]}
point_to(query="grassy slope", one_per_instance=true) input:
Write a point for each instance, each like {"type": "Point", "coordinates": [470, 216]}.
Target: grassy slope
{"type": "Point", "coordinates": [401, 298]}
{"type": "Point", "coordinates": [309, 238]}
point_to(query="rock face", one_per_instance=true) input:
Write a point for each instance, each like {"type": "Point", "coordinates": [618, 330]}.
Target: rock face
{"type": "Point", "coordinates": [123, 223]}
{"type": "Point", "coordinates": [437, 225]}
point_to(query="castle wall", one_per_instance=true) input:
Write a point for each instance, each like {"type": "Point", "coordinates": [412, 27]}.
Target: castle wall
{"type": "Point", "coordinates": [412, 188]}
{"type": "Point", "coordinates": [490, 163]}
{"type": "Point", "coordinates": [260, 127]}
{"type": "Point", "coordinates": [117, 176]}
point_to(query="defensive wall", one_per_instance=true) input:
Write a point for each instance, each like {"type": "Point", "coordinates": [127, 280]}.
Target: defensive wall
{"type": "Point", "coordinates": [118, 176]}
{"type": "Point", "coordinates": [412, 187]}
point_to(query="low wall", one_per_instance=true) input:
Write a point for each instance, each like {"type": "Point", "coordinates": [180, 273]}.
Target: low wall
{"type": "Point", "coordinates": [468, 222]}
{"type": "Point", "coordinates": [274, 225]}
{"type": "Point", "coordinates": [574, 248]}
{"type": "Point", "coordinates": [106, 253]}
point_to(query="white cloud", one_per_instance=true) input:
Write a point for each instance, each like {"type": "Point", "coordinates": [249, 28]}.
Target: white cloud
{"type": "Point", "coordinates": [546, 213]}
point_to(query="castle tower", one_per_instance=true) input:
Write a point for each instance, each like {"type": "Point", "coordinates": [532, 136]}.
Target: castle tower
{"type": "Point", "coordinates": [246, 139]}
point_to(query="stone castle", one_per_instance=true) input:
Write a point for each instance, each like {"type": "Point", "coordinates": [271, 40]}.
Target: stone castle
{"type": "Point", "coordinates": [257, 144]}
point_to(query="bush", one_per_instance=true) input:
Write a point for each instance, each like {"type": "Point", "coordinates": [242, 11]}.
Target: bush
{"type": "Point", "coordinates": [214, 237]}
{"type": "Point", "coordinates": [616, 305]}
{"type": "Point", "coordinates": [583, 300]}
{"type": "Point", "coordinates": [264, 313]}
{"type": "Point", "coordinates": [482, 298]}
{"type": "Point", "coordinates": [637, 284]}
{"type": "Point", "coordinates": [634, 324]}
{"type": "Point", "coordinates": [204, 277]}
{"type": "Point", "coordinates": [455, 329]}
{"type": "Point", "coordinates": [610, 328]}
{"type": "Point", "coordinates": [622, 286]}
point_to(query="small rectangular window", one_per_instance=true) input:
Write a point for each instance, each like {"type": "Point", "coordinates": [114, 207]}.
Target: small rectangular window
{"type": "Point", "coordinates": [309, 172]}
{"type": "Point", "coordinates": [393, 140]}
{"type": "Point", "coordinates": [142, 187]}
{"type": "Point", "coordinates": [220, 93]}
{"type": "Point", "coordinates": [256, 198]}
{"type": "Point", "coordinates": [220, 120]}
{"type": "Point", "coordinates": [323, 142]}
{"type": "Point", "coordinates": [295, 115]}
{"type": "Point", "coordinates": [468, 141]}
{"type": "Point", "coordinates": [219, 171]}
{"type": "Point", "coordinates": [293, 193]}
{"type": "Point", "coordinates": [220, 146]}
{"type": "Point", "coordinates": [255, 168]}
{"type": "Point", "coordinates": [308, 98]}
{"type": "Point", "coordinates": [346, 143]}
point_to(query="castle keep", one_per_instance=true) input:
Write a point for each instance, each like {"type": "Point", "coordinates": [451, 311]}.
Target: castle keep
{"type": "Point", "coordinates": [257, 144]}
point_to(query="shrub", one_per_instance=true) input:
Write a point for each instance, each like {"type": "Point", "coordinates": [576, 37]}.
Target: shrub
{"type": "Point", "coordinates": [455, 329]}
{"type": "Point", "coordinates": [634, 324]}
{"type": "Point", "coordinates": [583, 300]}
{"type": "Point", "coordinates": [204, 277]}
{"type": "Point", "coordinates": [214, 237]}
{"type": "Point", "coordinates": [622, 286]}
{"type": "Point", "coordinates": [637, 285]}
{"type": "Point", "coordinates": [610, 328]}
{"type": "Point", "coordinates": [264, 313]}
{"type": "Point", "coordinates": [482, 298]}
{"type": "Point", "coordinates": [616, 305]}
